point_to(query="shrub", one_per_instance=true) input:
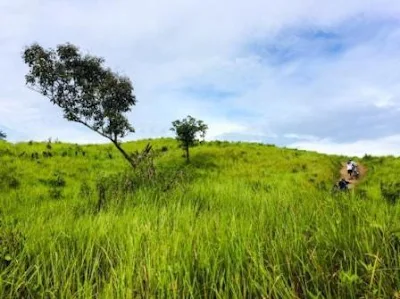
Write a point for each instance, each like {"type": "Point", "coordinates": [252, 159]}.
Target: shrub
{"type": "Point", "coordinates": [6, 152]}
{"type": "Point", "coordinates": [55, 193]}
{"type": "Point", "coordinates": [390, 191]}
{"type": "Point", "coordinates": [8, 178]}
{"type": "Point", "coordinates": [85, 190]}
{"type": "Point", "coordinates": [114, 187]}
{"type": "Point", "coordinates": [367, 157]}
{"type": "Point", "coordinates": [56, 185]}
{"type": "Point", "coordinates": [48, 145]}
{"type": "Point", "coordinates": [58, 179]}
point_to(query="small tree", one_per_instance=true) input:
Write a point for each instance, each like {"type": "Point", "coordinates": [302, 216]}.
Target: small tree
{"type": "Point", "coordinates": [2, 135]}
{"type": "Point", "coordinates": [87, 92]}
{"type": "Point", "coordinates": [188, 130]}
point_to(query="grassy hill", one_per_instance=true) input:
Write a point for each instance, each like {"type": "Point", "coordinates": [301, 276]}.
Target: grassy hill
{"type": "Point", "coordinates": [241, 221]}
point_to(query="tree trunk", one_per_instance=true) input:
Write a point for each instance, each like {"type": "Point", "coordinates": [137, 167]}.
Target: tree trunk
{"type": "Point", "coordinates": [126, 156]}
{"type": "Point", "coordinates": [187, 154]}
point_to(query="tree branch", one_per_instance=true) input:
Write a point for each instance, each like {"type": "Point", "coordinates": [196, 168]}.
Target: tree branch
{"type": "Point", "coordinates": [76, 119]}
{"type": "Point", "coordinates": [93, 129]}
{"type": "Point", "coordinates": [38, 91]}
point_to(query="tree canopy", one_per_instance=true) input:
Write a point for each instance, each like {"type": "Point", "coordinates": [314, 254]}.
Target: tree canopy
{"type": "Point", "coordinates": [86, 91]}
{"type": "Point", "coordinates": [2, 135]}
{"type": "Point", "coordinates": [188, 131]}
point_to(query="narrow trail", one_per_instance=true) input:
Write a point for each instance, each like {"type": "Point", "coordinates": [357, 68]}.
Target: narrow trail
{"type": "Point", "coordinates": [353, 182]}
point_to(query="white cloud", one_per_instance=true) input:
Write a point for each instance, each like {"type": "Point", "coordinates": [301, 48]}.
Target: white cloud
{"type": "Point", "coordinates": [378, 147]}
{"type": "Point", "coordinates": [300, 137]}
{"type": "Point", "coordinates": [217, 128]}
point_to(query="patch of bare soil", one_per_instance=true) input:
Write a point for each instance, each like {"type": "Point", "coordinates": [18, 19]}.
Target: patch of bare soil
{"type": "Point", "coordinates": [344, 175]}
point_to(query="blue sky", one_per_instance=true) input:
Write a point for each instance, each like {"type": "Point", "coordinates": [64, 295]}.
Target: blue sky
{"type": "Point", "coordinates": [318, 75]}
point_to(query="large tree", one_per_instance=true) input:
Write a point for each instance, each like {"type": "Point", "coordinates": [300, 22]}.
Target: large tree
{"type": "Point", "coordinates": [2, 135]}
{"type": "Point", "coordinates": [188, 131]}
{"type": "Point", "coordinates": [87, 91]}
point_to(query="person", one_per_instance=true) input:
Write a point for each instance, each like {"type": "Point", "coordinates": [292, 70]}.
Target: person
{"type": "Point", "coordinates": [354, 173]}
{"type": "Point", "coordinates": [350, 168]}
{"type": "Point", "coordinates": [343, 184]}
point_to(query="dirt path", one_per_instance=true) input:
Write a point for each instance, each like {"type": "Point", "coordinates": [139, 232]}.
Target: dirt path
{"type": "Point", "coordinates": [354, 182]}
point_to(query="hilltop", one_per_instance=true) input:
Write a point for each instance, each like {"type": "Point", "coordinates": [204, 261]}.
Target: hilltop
{"type": "Point", "coordinates": [241, 220]}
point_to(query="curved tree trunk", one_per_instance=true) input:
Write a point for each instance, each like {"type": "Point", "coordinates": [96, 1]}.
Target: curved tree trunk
{"type": "Point", "coordinates": [126, 156]}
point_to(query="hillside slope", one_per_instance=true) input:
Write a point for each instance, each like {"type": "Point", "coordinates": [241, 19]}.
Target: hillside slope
{"type": "Point", "coordinates": [217, 160]}
{"type": "Point", "coordinates": [242, 220]}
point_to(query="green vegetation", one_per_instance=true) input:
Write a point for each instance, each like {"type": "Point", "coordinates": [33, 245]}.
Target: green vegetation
{"type": "Point", "coordinates": [187, 131]}
{"type": "Point", "coordinates": [87, 92]}
{"type": "Point", "coordinates": [240, 221]}
{"type": "Point", "coordinates": [382, 182]}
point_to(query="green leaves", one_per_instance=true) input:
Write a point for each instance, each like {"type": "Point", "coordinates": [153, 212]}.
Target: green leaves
{"type": "Point", "coordinates": [88, 92]}
{"type": "Point", "coordinates": [188, 131]}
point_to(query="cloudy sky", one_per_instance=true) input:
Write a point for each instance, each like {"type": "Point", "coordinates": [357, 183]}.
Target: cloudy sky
{"type": "Point", "coordinates": [312, 74]}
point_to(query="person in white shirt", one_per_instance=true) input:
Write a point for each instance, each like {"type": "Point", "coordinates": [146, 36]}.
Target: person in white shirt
{"type": "Point", "coordinates": [350, 167]}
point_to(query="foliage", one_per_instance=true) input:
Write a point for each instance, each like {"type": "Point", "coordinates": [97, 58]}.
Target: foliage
{"type": "Point", "coordinates": [219, 227]}
{"type": "Point", "coordinates": [188, 131]}
{"type": "Point", "coordinates": [86, 91]}
{"type": "Point", "coordinates": [390, 191]}
{"type": "Point", "coordinates": [382, 181]}
{"type": "Point", "coordinates": [11, 243]}
{"type": "Point", "coordinates": [8, 177]}
{"type": "Point", "coordinates": [2, 135]}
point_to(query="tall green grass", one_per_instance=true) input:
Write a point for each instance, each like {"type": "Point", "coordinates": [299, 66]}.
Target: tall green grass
{"type": "Point", "coordinates": [242, 221]}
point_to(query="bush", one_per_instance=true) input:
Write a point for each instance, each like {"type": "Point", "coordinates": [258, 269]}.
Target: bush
{"type": "Point", "coordinates": [367, 157]}
{"type": "Point", "coordinates": [55, 193]}
{"type": "Point", "coordinates": [6, 152]}
{"type": "Point", "coordinates": [9, 178]}
{"type": "Point", "coordinates": [58, 179]}
{"type": "Point", "coordinates": [56, 185]}
{"type": "Point", "coordinates": [48, 145]}
{"type": "Point", "coordinates": [114, 187]}
{"type": "Point", "coordinates": [85, 190]}
{"type": "Point", "coordinates": [390, 191]}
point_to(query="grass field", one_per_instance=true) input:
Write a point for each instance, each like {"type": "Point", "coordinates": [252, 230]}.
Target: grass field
{"type": "Point", "coordinates": [241, 221]}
